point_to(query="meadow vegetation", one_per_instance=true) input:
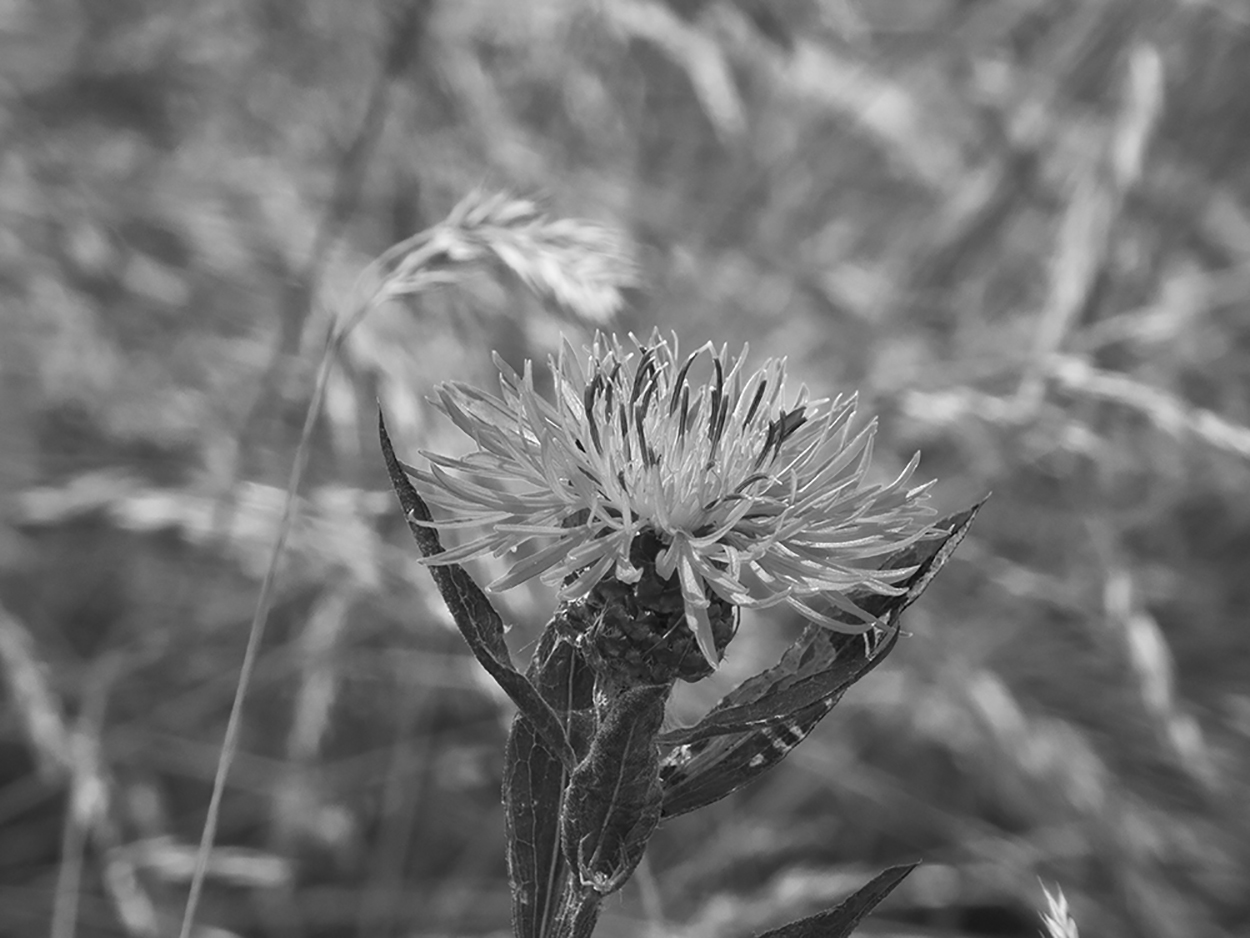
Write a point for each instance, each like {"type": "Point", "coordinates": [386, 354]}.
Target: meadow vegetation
{"type": "Point", "coordinates": [1020, 230]}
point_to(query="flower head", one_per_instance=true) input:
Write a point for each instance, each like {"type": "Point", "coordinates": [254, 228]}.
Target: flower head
{"type": "Point", "coordinates": [744, 496]}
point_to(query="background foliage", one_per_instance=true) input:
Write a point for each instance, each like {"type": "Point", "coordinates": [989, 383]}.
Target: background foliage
{"type": "Point", "coordinates": [1020, 229]}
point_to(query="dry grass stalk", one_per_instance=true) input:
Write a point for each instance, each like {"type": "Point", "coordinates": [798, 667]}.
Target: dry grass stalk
{"type": "Point", "coordinates": [33, 699]}
{"type": "Point", "coordinates": [73, 757]}
{"type": "Point", "coordinates": [698, 54]}
{"type": "Point", "coordinates": [1166, 412]}
{"type": "Point", "coordinates": [314, 703]}
{"type": "Point", "coordinates": [92, 811]}
{"type": "Point", "coordinates": [1094, 203]}
{"type": "Point", "coordinates": [1153, 666]}
{"type": "Point", "coordinates": [883, 108]}
{"type": "Point", "coordinates": [174, 862]}
{"type": "Point", "coordinates": [1057, 757]}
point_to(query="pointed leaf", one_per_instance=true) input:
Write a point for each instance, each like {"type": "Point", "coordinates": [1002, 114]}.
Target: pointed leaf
{"type": "Point", "coordinates": [841, 921]}
{"type": "Point", "coordinates": [929, 556]}
{"type": "Point", "coordinates": [701, 772]}
{"type": "Point", "coordinates": [534, 781]}
{"type": "Point", "coordinates": [821, 664]}
{"type": "Point", "coordinates": [817, 669]}
{"type": "Point", "coordinates": [757, 724]}
{"type": "Point", "coordinates": [475, 617]}
{"type": "Point", "coordinates": [612, 803]}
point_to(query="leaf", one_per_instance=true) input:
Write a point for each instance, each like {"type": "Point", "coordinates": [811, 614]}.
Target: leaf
{"type": "Point", "coordinates": [841, 921]}
{"type": "Point", "coordinates": [534, 781]}
{"type": "Point", "coordinates": [702, 772]}
{"type": "Point", "coordinates": [929, 555]}
{"type": "Point", "coordinates": [757, 724]}
{"type": "Point", "coordinates": [475, 617]}
{"type": "Point", "coordinates": [578, 913]}
{"type": "Point", "coordinates": [817, 668]}
{"type": "Point", "coordinates": [612, 803]}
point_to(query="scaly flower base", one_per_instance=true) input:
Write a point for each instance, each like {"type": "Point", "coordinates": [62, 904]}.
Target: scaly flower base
{"type": "Point", "coordinates": [636, 633]}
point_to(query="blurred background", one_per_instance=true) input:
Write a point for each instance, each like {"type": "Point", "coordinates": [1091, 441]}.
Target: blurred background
{"type": "Point", "coordinates": [1020, 229]}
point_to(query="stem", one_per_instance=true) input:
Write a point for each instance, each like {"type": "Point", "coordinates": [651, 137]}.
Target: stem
{"type": "Point", "coordinates": [260, 616]}
{"type": "Point", "coordinates": [579, 912]}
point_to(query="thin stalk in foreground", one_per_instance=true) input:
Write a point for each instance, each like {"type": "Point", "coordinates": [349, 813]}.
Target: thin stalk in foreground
{"type": "Point", "coordinates": [578, 264]}
{"type": "Point", "coordinates": [260, 617]}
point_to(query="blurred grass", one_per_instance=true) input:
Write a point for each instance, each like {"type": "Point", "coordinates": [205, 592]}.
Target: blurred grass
{"type": "Point", "coordinates": [1021, 230]}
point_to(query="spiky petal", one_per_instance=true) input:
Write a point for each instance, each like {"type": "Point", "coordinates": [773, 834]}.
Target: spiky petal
{"type": "Point", "coordinates": [765, 502]}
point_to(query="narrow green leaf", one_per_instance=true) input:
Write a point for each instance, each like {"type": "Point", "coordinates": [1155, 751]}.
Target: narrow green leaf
{"type": "Point", "coordinates": [821, 664]}
{"type": "Point", "coordinates": [473, 613]}
{"type": "Point", "coordinates": [534, 781]}
{"type": "Point", "coordinates": [612, 804]}
{"type": "Point", "coordinates": [578, 913]}
{"type": "Point", "coordinates": [757, 724]}
{"type": "Point", "coordinates": [841, 921]}
{"type": "Point", "coordinates": [701, 772]}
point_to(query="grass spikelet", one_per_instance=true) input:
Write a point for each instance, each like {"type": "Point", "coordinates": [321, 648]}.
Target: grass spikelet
{"type": "Point", "coordinates": [579, 264]}
{"type": "Point", "coordinates": [1057, 919]}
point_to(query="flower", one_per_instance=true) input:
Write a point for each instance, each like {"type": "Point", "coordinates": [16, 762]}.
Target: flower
{"type": "Point", "coordinates": [760, 502]}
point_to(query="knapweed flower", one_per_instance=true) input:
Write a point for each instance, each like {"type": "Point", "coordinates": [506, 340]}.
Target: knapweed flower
{"type": "Point", "coordinates": [742, 496]}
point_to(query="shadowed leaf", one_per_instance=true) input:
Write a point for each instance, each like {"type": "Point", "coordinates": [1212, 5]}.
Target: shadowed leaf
{"type": "Point", "coordinates": [612, 804]}
{"type": "Point", "coordinates": [841, 921]}
{"type": "Point", "coordinates": [475, 617]}
{"type": "Point", "coordinates": [578, 914]}
{"type": "Point", "coordinates": [702, 772]}
{"type": "Point", "coordinates": [821, 664]}
{"type": "Point", "coordinates": [534, 781]}
{"type": "Point", "coordinates": [757, 724]}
